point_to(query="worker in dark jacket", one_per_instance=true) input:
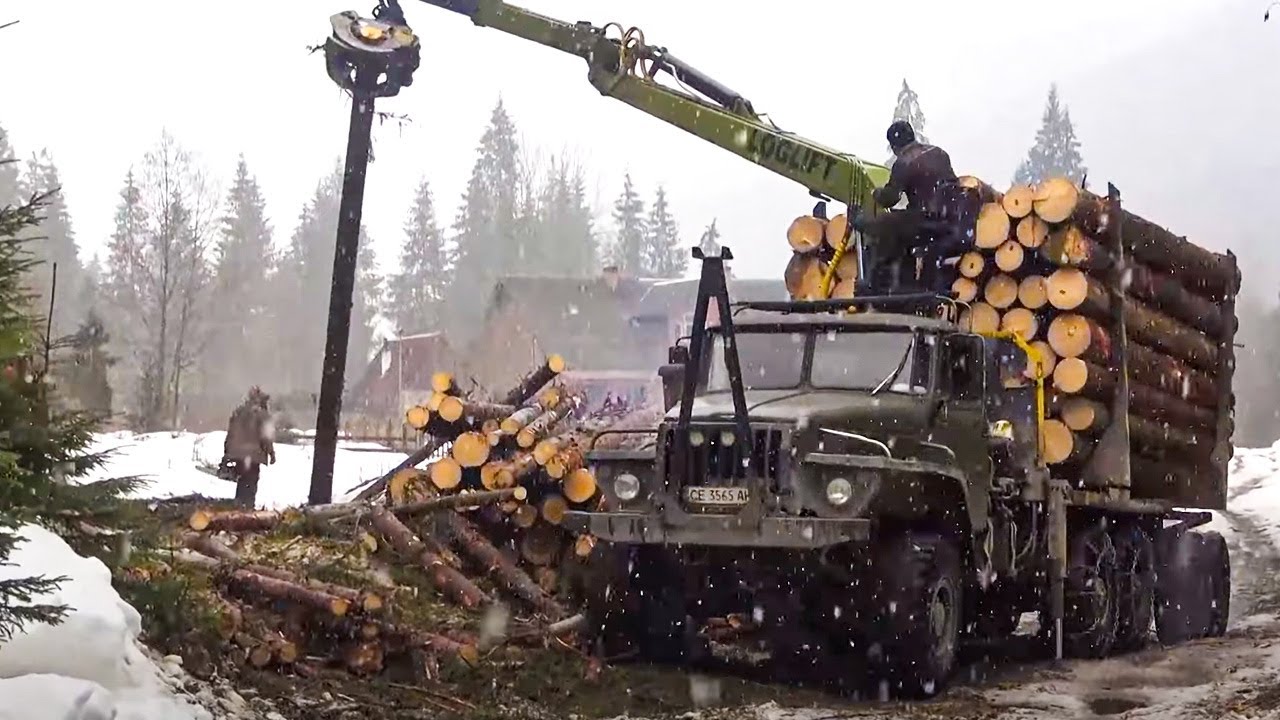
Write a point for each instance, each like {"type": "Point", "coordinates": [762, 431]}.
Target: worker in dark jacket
{"type": "Point", "coordinates": [250, 444]}
{"type": "Point", "coordinates": [923, 173]}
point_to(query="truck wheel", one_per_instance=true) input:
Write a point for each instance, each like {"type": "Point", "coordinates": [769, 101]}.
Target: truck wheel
{"type": "Point", "coordinates": [1218, 568]}
{"type": "Point", "coordinates": [1184, 593]}
{"type": "Point", "coordinates": [1089, 620]}
{"type": "Point", "coordinates": [1135, 586]}
{"type": "Point", "coordinates": [922, 599]}
{"type": "Point", "coordinates": [635, 601]}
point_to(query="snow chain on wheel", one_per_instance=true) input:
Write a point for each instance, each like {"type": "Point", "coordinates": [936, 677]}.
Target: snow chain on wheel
{"type": "Point", "coordinates": [1135, 585]}
{"type": "Point", "coordinates": [921, 601]}
{"type": "Point", "coordinates": [1089, 621]}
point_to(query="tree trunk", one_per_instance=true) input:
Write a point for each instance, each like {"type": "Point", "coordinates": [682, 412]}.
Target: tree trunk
{"type": "Point", "coordinates": [1077, 377]}
{"type": "Point", "coordinates": [541, 544]}
{"type": "Point", "coordinates": [234, 520]}
{"type": "Point", "coordinates": [447, 580]}
{"type": "Point", "coordinates": [534, 381]}
{"type": "Point", "coordinates": [475, 546]}
{"type": "Point", "coordinates": [1162, 435]}
{"type": "Point", "coordinates": [1073, 335]}
{"type": "Point", "coordinates": [538, 429]}
{"type": "Point", "coordinates": [1166, 293]}
{"type": "Point", "coordinates": [1070, 247]}
{"type": "Point", "coordinates": [460, 500]}
{"type": "Point", "coordinates": [257, 587]}
{"type": "Point", "coordinates": [420, 455]}
{"type": "Point", "coordinates": [476, 411]}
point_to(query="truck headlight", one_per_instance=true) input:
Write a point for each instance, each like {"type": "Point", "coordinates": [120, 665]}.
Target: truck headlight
{"type": "Point", "coordinates": [626, 487]}
{"type": "Point", "coordinates": [839, 491]}
{"type": "Point", "coordinates": [696, 438]}
{"type": "Point", "coordinates": [727, 438]}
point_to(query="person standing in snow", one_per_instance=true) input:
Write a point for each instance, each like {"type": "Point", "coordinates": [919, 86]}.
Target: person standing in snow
{"type": "Point", "coordinates": [249, 445]}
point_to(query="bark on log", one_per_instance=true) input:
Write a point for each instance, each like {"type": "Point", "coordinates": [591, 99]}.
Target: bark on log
{"type": "Point", "coordinates": [534, 381]}
{"type": "Point", "coordinates": [1201, 270]}
{"type": "Point", "coordinates": [541, 544]}
{"type": "Point", "coordinates": [1077, 377]}
{"type": "Point", "coordinates": [1072, 289]}
{"type": "Point", "coordinates": [420, 455]}
{"type": "Point", "coordinates": [1165, 292]}
{"type": "Point", "coordinates": [446, 579]}
{"type": "Point", "coordinates": [475, 546]}
{"type": "Point", "coordinates": [258, 586]}
{"type": "Point", "coordinates": [539, 428]}
{"type": "Point", "coordinates": [1165, 436]}
{"type": "Point", "coordinates": [459, 501]}
{"type": "Point", "coordinates": [234, 520]}
{"type": "Point", "coordinates": [475, 411]}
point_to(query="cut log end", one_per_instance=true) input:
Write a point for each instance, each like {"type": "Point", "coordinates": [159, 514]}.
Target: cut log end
{"type": "Point", "coordinates": [1083, 415]}
{"type": "Point", "coordinates": [489, 474]}
{"type": "Point", "coordinates": [546, 450]}
{"type": "Point", "coordinates": [1031, 232]}
{"type": "Point", "coordinates": [1033, 292]}
{"type": "Point", "coordinates": [446, 473]}
{"type": "Point", "coordinates": [1058, 440]}
{"type": "Point", "coordinates": [1009, 256]}
{"type": "Point", "coordinates": [556, 364]}
{"type": "Point", "coordinates": [1021, 322]}
{"type": "Point", "coordinates": [433, 403]}
{"type": "Point", "coordinates": [584, 545]}
{"type": "Point", "coordinates": [980, 318]}
{"type": "Point", "coordinates": [1068, 288]}
{"type": "Point", "coordinates": [1018, 201]}
{"type": "Point", "coordinates": [806, 233]}
{"type": "Point", "coordinates": [1055, 199]}
{"type": "Point", "coordinates": [401, 486]}
{"type": "Point", "coordinates": [1070, 335]}
{"type": "Point", "coordinates": [1048, 361]}
{"type": "Point", "coordinates": [971, 264]}
{"type": "Point", "coordinates": [200, 520]}
{"type": "Point", "coordinates": [1000, 292]}
{"type": "Point", "coordinates": [451, 408]}
{"type": "Point", "coordinates": [417, 417]}
{"type": "Point", "coordinates": [964, 290]}
{"type": "Point", "coordinates": [580, 486]}
{"type": "Point", "coordinates": [471, 449]}
{"type": "Point", "coordinates": [260, 655]}
{"type": "Point", "coordinates": [835, 231]}
{"type": "Point", "coordinates": [524, 516]}
{"type": "Point", "coordinates": [442, 382]}
{"type": "Point", "coordinates": [1071, 375]}
{"type": "Point", "coordinates": [993, 227]}
{"type": "Point", "coordinates": [553, 509]}
{"type": "Point", "coordinates": [372, 602]}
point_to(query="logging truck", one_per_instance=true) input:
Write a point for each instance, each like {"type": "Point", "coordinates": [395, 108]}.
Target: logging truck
{"type": "Point", "coordinates": [900, 474]}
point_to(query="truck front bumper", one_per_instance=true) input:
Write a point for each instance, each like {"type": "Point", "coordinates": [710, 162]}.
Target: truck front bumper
{"type": "Point", "coordinates": [768, 532]}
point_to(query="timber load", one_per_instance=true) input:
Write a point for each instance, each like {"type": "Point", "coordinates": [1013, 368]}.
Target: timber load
{"type": "Point", "coordinates": [1135, 327]}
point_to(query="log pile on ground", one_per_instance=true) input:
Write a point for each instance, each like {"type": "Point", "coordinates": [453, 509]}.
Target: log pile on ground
{"type": "Point", "coordinates": [1065, 270]}
{"type": "Point", "coordinates": [478, 526]}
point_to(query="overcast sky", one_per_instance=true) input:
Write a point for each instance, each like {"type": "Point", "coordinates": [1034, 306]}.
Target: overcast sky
{"type": "Point", "coordinates": [1176, 101]}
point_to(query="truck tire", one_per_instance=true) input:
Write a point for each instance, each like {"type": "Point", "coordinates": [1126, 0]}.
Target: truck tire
{"type": "Point", "coordinates": [1135, 585]}
{"type": "Point", "coordinates": [1218, 567]}
{"type": "Point", "coordinates": [1184, 590]}
{"type": "Point", "coordinates": [1089, 618]}
{"type": "Point", "coordinates": [921, 603]}
{"type": "Point", "coordinates": [635, 601]}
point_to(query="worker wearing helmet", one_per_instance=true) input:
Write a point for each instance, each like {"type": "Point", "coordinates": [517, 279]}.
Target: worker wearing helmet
{"type": "Point", "coordinates": [936, 206]}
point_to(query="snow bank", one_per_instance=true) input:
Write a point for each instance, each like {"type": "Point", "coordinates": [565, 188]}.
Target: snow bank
{"type": "Point", "coordinates": [179, 463]}
{"type": "Point", "coordinates": [90, 666]}
{"type": "Point", "coordinates": [1254, 488]}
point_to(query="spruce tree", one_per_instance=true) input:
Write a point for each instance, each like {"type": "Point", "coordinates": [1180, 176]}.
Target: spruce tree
{"type": "Point", "coordinates": [10, 187]}
{"type": "Point", "coordinates": [485, 230]}
{"type": "Point", "coordinates": [1056, 152]}
{"type": "Point", "coordinates": [241, 347]}
{"type": "Point", "coordinates": [710, 242]}
{"type": "Point", "coordinates": [53, 241]}
{"type": "Point", "coordinates": [565, 221]}
{"type": "Point", "coordinates": [418, 288]}
{"type": "Point", "coordinates": [663, 254]}
{"type": "Point", "coordinates": [41, 449]}
{"type": "Point", "coordinates": [629, 224]}
{"type": "Point", "coordinates": [908, 108]}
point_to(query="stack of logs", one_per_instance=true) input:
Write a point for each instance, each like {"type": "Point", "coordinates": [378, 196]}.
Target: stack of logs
{"type": "Point", "coordinates": [1044, 266]}
{"type": "Point", "coordinates": [813, 242]}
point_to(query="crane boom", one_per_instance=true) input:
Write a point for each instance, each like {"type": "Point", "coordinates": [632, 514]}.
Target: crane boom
{"type": "Point", "coordinates": [625, 69]}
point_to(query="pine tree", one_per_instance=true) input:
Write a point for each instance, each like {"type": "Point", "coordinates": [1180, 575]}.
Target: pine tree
{"type": "Point", "coordinates": [240, 312]}
{"type": "Point", "coordinates": [663, 254]}
{"type": "Point", "coordinates": [40, 449]}
{"type": "Point", "coordinates": [10, 188]}
{"type": "Point", "coordinates": [908, 108]}
{"type": "Point", "coordinates": [1056, 152]}
{"type": "Point", "coordinates": [485, 231]}
{"type": "Point", "coordinates": [629, 223]}
{"type": "Point", "coordinates": [710, 242]}
{"type": "Point", "coordinates": [418, 288]}
{"type": "Point", "coordinates": [53, 241]}
{"type": "Point", "coordinates": [565, 221]}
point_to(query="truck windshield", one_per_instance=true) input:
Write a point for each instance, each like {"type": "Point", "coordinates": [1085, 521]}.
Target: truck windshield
{"type": "Point", "coordinates": [865, 360]}
{"type": "Point", "coordinates": [770, 361]}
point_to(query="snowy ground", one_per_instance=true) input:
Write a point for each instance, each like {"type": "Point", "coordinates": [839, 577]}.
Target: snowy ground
{"type": "Point", "coordinates": [182, 464]}
{"type": "Point", "coordinates": [1236, 677]}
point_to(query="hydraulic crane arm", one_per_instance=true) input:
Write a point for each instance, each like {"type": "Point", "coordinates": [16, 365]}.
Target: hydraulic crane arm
{"type": "Point", "coordinates": [625, 68]}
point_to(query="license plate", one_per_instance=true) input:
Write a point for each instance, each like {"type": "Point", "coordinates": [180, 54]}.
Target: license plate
{"type": "Point", "coordinates": [717, 495]}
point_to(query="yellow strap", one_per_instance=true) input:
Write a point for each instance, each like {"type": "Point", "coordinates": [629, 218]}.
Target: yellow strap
{"type": "Point", "coordinates": [1034, 359]}
{"type": "Point", "coordinates": [825, 288]}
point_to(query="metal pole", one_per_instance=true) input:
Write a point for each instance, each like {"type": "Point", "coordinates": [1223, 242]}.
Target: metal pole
{"type": "Point", "coordinates": [340, 296]}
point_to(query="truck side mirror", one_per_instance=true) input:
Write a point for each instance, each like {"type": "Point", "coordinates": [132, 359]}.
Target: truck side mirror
{"type": "Point", "coordinates": [672, 383]}
{"type": "Point", "coordinates": [678, 355]}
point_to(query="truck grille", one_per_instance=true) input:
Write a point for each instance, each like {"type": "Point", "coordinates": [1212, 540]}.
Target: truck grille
{"type": "Point", "coordinates": [713, 462]}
